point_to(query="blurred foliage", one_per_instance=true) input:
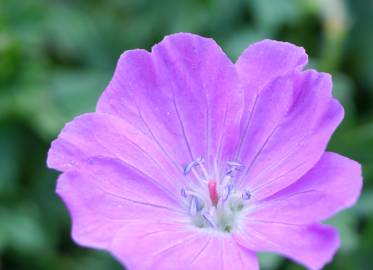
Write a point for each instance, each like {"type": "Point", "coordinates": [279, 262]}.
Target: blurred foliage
{"type": "Point", "coordinates": [57, 56]}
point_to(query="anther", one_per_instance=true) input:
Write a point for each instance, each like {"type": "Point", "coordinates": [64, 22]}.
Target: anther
{"type": "Point", "coordinates": [246, 196]}
{"type": "Point", "coordinates": [192, 164]}
{"type": "Point", "coordinates": [209, 220]}
{"type": "Point", "coordinates": [233, 167]}
{"type": "Point", "coordinates": [234, 164]}
{"type": "Point", "coordinates": [195, 206]}
{"type": "Point", "coordinates": [183, 193]}
{"type": "Point", "coordinates": [227, 191]}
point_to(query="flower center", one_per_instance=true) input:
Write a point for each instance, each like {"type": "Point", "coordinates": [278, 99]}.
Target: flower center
{"type": "Point", "coordinates": [212, 200]}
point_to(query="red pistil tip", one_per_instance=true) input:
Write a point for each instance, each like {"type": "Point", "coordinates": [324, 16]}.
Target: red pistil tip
{"type": "Point", "coordinates": [213, 192]}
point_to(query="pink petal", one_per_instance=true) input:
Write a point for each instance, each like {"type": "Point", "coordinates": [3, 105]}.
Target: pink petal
{"type": "Point", "coordinates": [185, 95]}
{"type": "Point", "coordinates": [332, 185]}
{"type": "Point", "coordinates": [103, 195]}
{"type": "Point", "coordinates": [292, 121]}
{"type": "Point", "coordinates": [266, 60]}
{"type": "Point", "coordinates": [261, 63]}
{"type": "Point", "coordinates": [313, 246]}
{"type": "Point", "coordinates": [164, 246]}
{"type": "Point", "coordinates": [108, 136]}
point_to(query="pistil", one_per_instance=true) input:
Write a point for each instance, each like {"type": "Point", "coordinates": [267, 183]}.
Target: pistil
{"type": "Point", "coordinates": [214, 196]}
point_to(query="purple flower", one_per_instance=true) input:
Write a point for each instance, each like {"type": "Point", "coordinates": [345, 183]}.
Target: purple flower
{"type": "Point", "coordinates": [193, 162]}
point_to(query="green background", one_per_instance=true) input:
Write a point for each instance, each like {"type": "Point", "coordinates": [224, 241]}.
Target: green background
{"type": "Point", "coordinates": [56, 57]}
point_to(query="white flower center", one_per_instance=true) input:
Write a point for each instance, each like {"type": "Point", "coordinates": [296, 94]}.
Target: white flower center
{"type": "Point", "coordinates": [212, 200]}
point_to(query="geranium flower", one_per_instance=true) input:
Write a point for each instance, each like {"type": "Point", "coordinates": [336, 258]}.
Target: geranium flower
{"type": "Point", "coordinates": [193, 162]}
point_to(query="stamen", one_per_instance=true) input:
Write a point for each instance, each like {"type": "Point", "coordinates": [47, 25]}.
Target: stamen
{"type": "Point", "coordinates": [197, 174]}
{"type": "Point", "coordinates": [195, 206]}
{"type": "Point", "coordinates": [204, 171]}
{"type": "Point", "coordinates": [198, 177]}
{"type": "Point", "coordinates": [227, 191]}
{"type": "Point", "coordinates": [246, 195]}
{"type": "Point", "coordinates": [209, 220]}
{"type": "Point", "coordinates": [234, 164]}
{"type": "Point", "coordinates": [214, 196]}
{"type": "Point", "coordinates": [233, 167]}
{"type": "Point", "coordinates": [192, 164]}
{"type": "Point", "coordinates": [212, 200]}
{"type": "Point", "coordinates": [227, 179]}
{"type": "Point", "coordinates": [183, 193]}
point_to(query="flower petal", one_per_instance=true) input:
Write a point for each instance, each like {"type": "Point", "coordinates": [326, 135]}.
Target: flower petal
{"type": "Point", "coordinates": [332, 185]}
{"type": "Point", "coordinates": [263, 62]}
{"type": "Point", "coordinates": [266, 60]}
{"type": "Point", "coordinates": [290, 126]}
{"type": "Point", "coordinates": [103, 195]}
{"type": "Point", "coordinates": [313, 246]}
{"type": "Point", "coordinates": [164, 246]}
{"type": "Point", "coordinates": [108, 136]}
{"type": "Point", "coordinates": [185, 95]}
